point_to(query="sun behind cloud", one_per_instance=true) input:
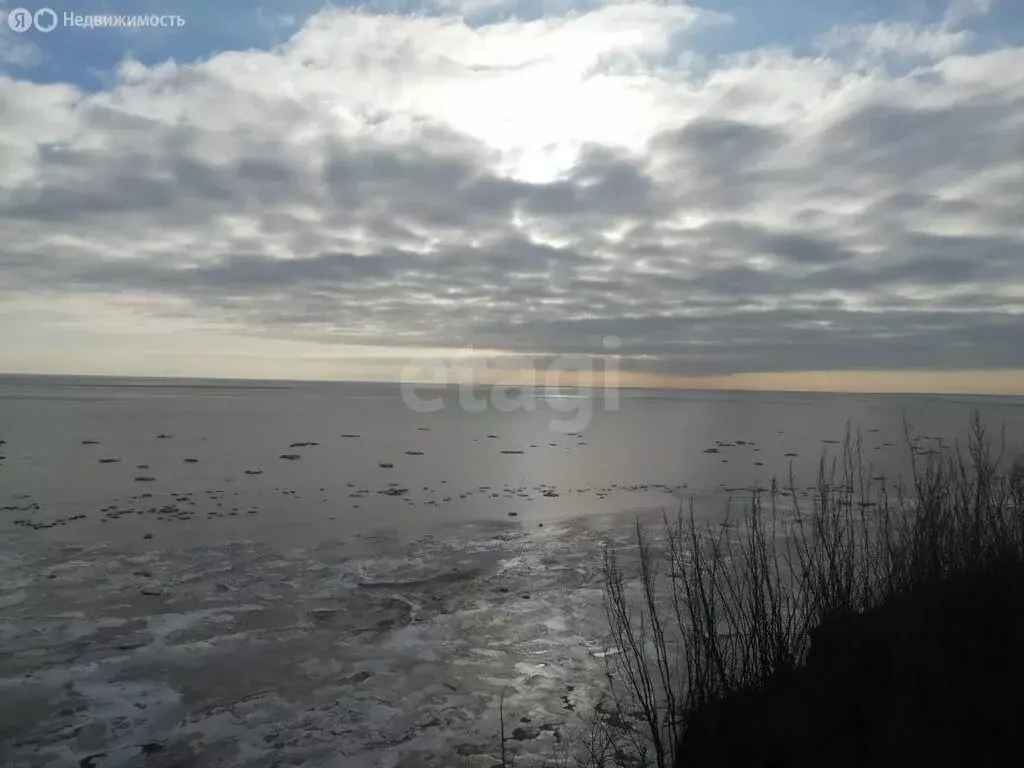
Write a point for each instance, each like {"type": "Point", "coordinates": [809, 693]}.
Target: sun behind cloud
{"type": "Point", "coordinates": [837, 208]}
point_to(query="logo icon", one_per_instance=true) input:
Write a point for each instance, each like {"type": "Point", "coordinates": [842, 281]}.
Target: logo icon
{"type": "Point", "coordinates": [45, 19]}
{"type": "Point", "coordinates": [20, 19]}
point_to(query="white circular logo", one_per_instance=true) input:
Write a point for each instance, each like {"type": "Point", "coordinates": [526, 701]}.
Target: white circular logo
{"type": "Point", "coordinates": [45, 19]}
{"type": "Point", "coordinates": [19, 19]}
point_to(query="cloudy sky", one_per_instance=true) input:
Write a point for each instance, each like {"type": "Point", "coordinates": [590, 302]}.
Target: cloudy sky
{"type": "Point", "coordinates": [765, 193]}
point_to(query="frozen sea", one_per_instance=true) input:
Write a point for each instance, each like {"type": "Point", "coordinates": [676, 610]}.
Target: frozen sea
{"type": "Point", "coordinates": [248, 573]}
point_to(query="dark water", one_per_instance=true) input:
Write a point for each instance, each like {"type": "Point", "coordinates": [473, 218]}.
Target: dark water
{"type": "Point", "coordinates": [302, 616]}
{"type": "Point", "coordinates": [641, 440]}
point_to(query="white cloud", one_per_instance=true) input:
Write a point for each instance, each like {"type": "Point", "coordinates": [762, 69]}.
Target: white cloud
{"type": "Point", "coordinates": [869, 44]}
{"type": "Point", "coordinates": [532, 185]}
{"type": "Point", "coordinates": [960, 11]}
{"type": "Point", "coordinates": [16, 49]}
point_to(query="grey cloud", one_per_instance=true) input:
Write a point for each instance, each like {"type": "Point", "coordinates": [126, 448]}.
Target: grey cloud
{"type": "Point", "coordinates": [796, 340]}
{"type": "Point", "coordinates": [415, 244]}
{"type": "Point", "coordinates": [487, 272]}
{"type": "Point", "coordinates": [927, 146]}
{"type": "Point", "coordinates": [793, 247]}
{"type": "Point", "coordinates": [721, 145]}
{"type": "Point", "coordinates": [717, 164]}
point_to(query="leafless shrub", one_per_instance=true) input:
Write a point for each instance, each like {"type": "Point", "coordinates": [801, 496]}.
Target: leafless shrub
{"type": "Point", "coordinates": [710, 610]}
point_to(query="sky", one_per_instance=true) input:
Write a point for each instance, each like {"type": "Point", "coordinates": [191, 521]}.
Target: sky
{"type": "Point", "coordinates": [783, 194]}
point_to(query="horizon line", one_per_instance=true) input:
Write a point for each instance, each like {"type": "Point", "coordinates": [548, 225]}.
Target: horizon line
{"type": "Point", "coordinates": [597, 387]}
